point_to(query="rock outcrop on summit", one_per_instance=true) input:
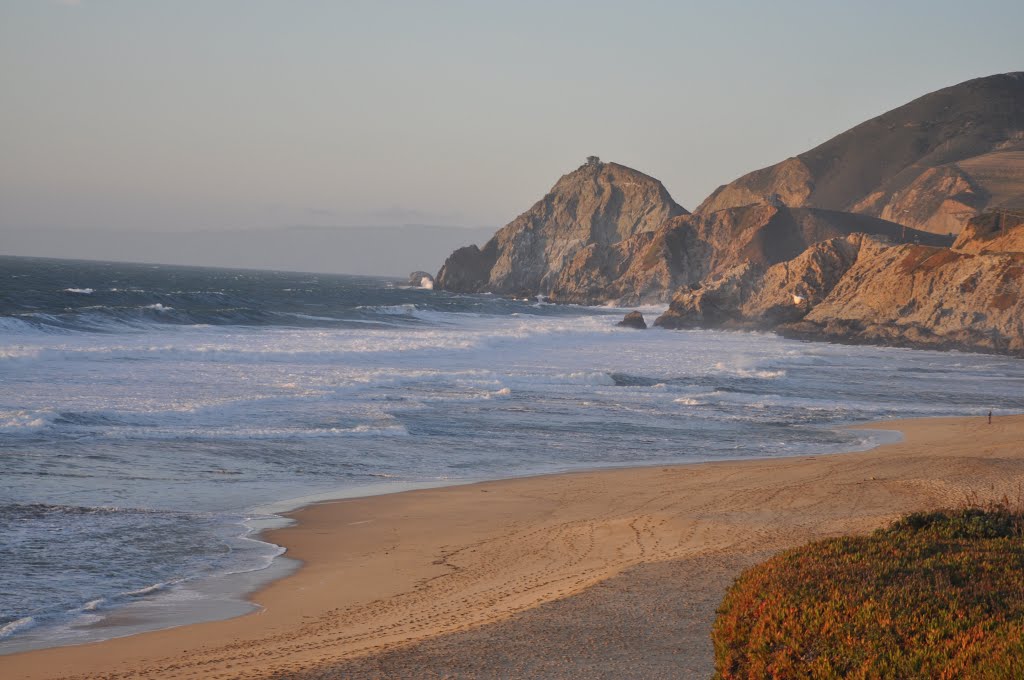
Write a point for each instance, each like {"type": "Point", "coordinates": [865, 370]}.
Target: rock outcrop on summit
{"type": "Point", "coordinates": [931, 164]}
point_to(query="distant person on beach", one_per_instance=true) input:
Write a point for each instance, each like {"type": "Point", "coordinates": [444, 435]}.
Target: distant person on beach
{"type": "Point", "coordinates": [990, 417]}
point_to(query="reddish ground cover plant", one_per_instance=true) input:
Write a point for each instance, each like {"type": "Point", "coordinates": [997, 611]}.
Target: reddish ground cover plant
{"type": "Point", "coordinates": [936, 595]}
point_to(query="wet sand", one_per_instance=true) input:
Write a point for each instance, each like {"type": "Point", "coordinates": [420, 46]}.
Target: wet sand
{"type": "Point", "coordinates": [614, 573]}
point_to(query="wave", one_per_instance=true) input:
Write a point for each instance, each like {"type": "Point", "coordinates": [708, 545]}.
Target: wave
{"type": "Point", "coordinates": [214, 433]}
{"type": "Point", "coordinates": [17, 626]}
{"type": "Point", "coordinates": [150, 589]}
{"type": "Point", "coordinates": [92, 298]}
{"type": "Point", "coordinates": [157, 315]}
{"type": "Point", "coordinates": [37, 510]}
{"type": "Point", "coordinates": [24, 421]}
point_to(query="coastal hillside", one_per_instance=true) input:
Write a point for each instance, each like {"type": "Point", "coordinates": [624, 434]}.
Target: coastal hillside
{"type": "Point", "coordinates": [931, 164]}
{"type": "Point", "coordinates": [863, 289]}
{"type": "Point", "coordinates": [688, 249]}
{"type": "Point", "coordinates": [606, 232]}
{"type": "Point", "coordinates": [597, 206]}
{"type": "Point", "coordinates": [851, 241]}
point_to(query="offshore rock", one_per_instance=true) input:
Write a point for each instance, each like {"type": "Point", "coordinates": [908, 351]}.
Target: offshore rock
{"type": "Point", "coordinates": [421, 280]}
{"type": "Point", "coordinates": [633, 320]}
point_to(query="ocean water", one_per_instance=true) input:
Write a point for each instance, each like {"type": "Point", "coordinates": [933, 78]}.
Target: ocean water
{"type": "Point", "coordinates": [152, 417]}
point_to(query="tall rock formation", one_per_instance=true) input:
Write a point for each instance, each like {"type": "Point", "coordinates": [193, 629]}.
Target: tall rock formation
{"type": "Point", "coordinates": [597, 206]}
{"type": "Point", "coordinates": [689, 249]}
{"type": "Point", "coordinates": [606, 233]}
{"type": "Point", "coordinates": [932, 164]}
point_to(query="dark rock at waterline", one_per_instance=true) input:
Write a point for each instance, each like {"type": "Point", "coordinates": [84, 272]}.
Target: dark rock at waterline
{"type": "Point", "coordinates": [633, 320]}
{"type": "Point", "coordinates": [421, 279]}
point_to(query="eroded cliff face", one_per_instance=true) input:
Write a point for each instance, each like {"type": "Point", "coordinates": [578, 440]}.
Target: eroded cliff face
{"type": "Point", "coordinates": [918, 296]}
{"type": "Point", "coordinates": [996, 232]}
{"type": "Point", "coordinates": [748, 295]}
{"type": "Point", "coordinates": [694, 249]}
{"type": "Point", "coordinates": [866, 289]}
{"type": "Point", "coordinates": [598, 206]}
{"type": "Point", "coordinates": [931, 164]}
{"type": "Point", "coordinates": [611, 234]}
{"type": "Point", "coordinates": [644, 268]}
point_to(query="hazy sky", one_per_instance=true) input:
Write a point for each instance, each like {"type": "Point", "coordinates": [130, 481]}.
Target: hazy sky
{"type": "Point", "coordinates": [177, 115]}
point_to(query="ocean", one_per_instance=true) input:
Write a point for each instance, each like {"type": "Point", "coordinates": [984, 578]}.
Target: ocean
{"type": "Point", "coordinates": [154, 418]}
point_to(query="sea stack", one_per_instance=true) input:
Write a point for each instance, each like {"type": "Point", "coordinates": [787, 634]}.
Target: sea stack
{"type": "Point", "coordinates": [633, 320]}
{"type": "Point", "coordinates": [421, 279]}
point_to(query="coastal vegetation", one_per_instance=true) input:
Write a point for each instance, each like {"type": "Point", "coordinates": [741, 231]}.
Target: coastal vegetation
{"type": "Point", "coordinates": [935, 595]}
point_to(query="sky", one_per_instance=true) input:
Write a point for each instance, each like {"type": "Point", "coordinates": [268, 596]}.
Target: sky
{"type": "Point", "coordinates": [172, 117]}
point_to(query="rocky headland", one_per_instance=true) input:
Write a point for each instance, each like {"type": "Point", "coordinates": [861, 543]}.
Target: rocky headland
{"type": "Point", "coordinates": [907, 230]}
{"type": "Point", "coordinates": [594, 209]}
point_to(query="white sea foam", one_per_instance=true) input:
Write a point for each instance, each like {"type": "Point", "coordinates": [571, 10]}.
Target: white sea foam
{"type": "Point", "coordinates": [749, 372]}
{"type": "Point", "coordinates": [148, 590]}
{"type": "Point", "coordinates": [215, 419]}
{"type": "Point", "coordinates": [21, 421]}
{"type": "Point", "coordinates": [80, 291]}
{"type": "Point", "coordinates": [404, 310]}
{"type": "Point", "coordinates": [17, 626]}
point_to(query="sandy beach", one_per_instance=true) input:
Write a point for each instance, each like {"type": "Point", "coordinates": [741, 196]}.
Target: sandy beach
{"type": "Point", "coordinates": [498, 578]}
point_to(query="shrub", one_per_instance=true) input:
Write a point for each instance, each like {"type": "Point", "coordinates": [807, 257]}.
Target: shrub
{"type": "Point", "coordinates": [935, 595]}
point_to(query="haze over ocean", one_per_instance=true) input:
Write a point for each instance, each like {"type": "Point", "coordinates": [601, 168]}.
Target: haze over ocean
{"type": "Point", "coordinates": [128, 122]}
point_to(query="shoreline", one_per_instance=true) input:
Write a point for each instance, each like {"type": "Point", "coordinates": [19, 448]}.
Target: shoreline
{"type": "Point", "coordinates": [226, 596]}
{"type": "Point", "coordinates": [419, 564]}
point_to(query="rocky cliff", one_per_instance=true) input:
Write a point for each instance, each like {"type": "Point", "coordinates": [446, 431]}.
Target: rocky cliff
{"type": "Point", "coordinates": [931, 164]}
{"type": "Point", "coordinates": [595, 207]}
{"type": "Point", "coordinates": [822, 245]}
{"type": "Point", "coordinates": [609, 233]}
{"type": "Point", "coordinates": [693, 248]}
{"type": "Point", "coordinates": [749, 295]}
{"type": "Point", "coordinates": [864, 289]}
{"type": "Point", "coordinates": [995, 232]}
